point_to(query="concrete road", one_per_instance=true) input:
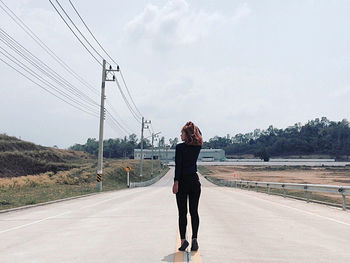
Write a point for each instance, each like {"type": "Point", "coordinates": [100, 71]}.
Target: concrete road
{"type": "Point", "coordinates": [140, 225]}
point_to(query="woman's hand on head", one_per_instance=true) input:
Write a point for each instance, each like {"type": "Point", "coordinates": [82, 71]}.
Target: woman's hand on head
{"type": "Point", "coordinates": [176, 187]}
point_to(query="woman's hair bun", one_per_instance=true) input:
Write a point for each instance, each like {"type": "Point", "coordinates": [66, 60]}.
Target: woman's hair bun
{"type": "Point", "coordinates": [192, 134]}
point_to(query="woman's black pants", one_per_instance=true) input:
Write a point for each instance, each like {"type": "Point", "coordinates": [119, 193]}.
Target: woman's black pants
{"type": "Point", "coordinates": [191, 187]}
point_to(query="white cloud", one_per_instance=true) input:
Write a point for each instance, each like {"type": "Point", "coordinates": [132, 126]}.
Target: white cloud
{"type": "Point", "coordinates": [176, 23]}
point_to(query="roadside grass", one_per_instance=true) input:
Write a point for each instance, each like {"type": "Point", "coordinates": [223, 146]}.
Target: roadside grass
{"type": "Point", "coordinates": [203, 170]}
{"type": "Point", "coordinates": [48, 186]}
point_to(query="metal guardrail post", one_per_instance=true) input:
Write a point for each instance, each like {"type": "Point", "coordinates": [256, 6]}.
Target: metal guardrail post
{"type": "Point", "coordinates": [248, 186]}
{"type": "Point", "coordinates": [256, 186]}
{"type": "Point", "coordinates": [307, 194]}
{"type": "Point", "coordinates": [284, 190]}
{"type": "Point", "coordinates": [268, 188]}
{"type": "Point", "coordinates": [341, 191]}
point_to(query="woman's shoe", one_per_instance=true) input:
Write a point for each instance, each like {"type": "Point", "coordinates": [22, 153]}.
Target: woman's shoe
{"type": "Point", "coordinates": [184, 245]}
{"type": "Point", "coordinates": [194, 246]}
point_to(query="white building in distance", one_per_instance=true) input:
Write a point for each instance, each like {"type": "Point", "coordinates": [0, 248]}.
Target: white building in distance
{"type": "Point", "coordinates": [169, 154]}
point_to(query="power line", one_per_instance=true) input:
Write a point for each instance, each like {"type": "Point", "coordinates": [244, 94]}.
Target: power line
{"type": "Point", "coordinates": [49, 51]}
{"type": "Point", "coordinates": [37, 63]}
{"type": "Point", "coordinates": [87, 41]}
{"type": "Point", "coordinates": [24, 75]}
{"type": "Point", "coordinates": [114, 112]}
{"type": "Point", "coordinates": [123, 95]}
{"type": "Point", "coordinates": [127, 89]}
{"type": "Point", "coordinates": [13, 59]}
{"type": "Point", "coordinates": [114, 127]}
{"type": "Point", "coordinates": [118, 123]}
{"type": "Point", "coordinates": [34, 74]}
{"type": "Point", "coordinates": [82, 20]}
{"type": "Point", "coordinates": [136, 113]}
{"type": "Point", "coordinates": [15, 46]}
{"type": "Point", "coordinates": [104, 50]}
{"type": "Point", "coordinates": [126, 102]}
{"type": "Point", "coordinates": [88, 50]}
{"type": "Point", "coordinates": [52, 74]}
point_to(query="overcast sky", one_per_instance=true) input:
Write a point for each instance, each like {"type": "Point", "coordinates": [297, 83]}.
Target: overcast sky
{"type": "Point", "coordinates": [229, 66]}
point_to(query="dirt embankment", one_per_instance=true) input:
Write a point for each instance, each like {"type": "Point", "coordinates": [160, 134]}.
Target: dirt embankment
{"type": "Point", "coordinates": [20, 158]}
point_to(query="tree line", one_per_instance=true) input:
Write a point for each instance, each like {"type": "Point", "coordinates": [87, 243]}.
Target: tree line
{"type": "Point", "coordinates": [121, 148]}
{"type": "Point", "coordinates": [319, 136]}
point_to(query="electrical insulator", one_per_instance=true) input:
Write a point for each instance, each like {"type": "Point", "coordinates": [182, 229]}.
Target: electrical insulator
{"type": "Point", "coordinates": [110, 67]}
{"type": "Point", "coordinates": [113, 77]}
{"type": "Point", "coordinates": [118, 68]}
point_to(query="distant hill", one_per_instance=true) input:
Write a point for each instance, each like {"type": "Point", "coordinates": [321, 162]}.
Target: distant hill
{"type": "Point", "coordinates": [18, 158]}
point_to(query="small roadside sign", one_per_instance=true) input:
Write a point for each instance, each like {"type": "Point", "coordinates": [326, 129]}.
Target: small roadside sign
{"type": "Point", "coordinates": [128, 169]}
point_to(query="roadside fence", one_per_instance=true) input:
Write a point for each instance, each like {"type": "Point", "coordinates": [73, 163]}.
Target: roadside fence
{"type": "Point", "coordinates": [343, 191]}
{"type": "Point", "coordinates": [147, 183]}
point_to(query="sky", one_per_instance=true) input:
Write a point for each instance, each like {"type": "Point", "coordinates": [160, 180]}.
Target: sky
{"type": "Point", "coordinates": [228, 66]}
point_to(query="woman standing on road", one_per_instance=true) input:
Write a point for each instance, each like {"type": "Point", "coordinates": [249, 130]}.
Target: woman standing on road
{"type": "Point", "coordinates": [186, 181]}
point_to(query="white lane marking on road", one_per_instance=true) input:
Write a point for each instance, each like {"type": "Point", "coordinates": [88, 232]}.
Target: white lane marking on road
{"type": "Point", "coordinates": [46, 218]}
{"type": "Point", "coordinates": [300, 210]}
{"type": "Point", "coordinates": [32, 223]}
{"type": "Point", "coordinates": [101, 202]}
{"type": "Point", "coordinates": [141, 191]}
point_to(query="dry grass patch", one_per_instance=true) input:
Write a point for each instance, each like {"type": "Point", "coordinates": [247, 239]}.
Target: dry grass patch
{"type": "Point", "coordinates": [32, 189]}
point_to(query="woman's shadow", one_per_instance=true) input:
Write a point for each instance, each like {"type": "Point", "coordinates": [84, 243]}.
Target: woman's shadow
{"type": "Point", "coordinates": [171, 257]}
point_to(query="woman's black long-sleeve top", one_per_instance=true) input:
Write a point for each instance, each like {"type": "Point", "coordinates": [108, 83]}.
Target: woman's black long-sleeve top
{"type": "Point", "coordinates": [185, 159]}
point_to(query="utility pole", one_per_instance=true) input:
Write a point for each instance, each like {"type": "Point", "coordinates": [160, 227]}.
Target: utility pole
{"type": "Point", "coordinates": [153, 136]}
{"type": "Point", "coordinates": [166, 153]}
{"type": "Point", "coordinates": [102, 118]}
{"type": "Point", "coordinates": [143, 126]}
{"type": "Point", "coordinates": [160, 162]}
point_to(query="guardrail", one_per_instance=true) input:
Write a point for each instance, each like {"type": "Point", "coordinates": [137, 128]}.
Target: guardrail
{"type": "Point", "coordinates": [146, 183]}
{"type": "Point", "coordinates": [307, 188]}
